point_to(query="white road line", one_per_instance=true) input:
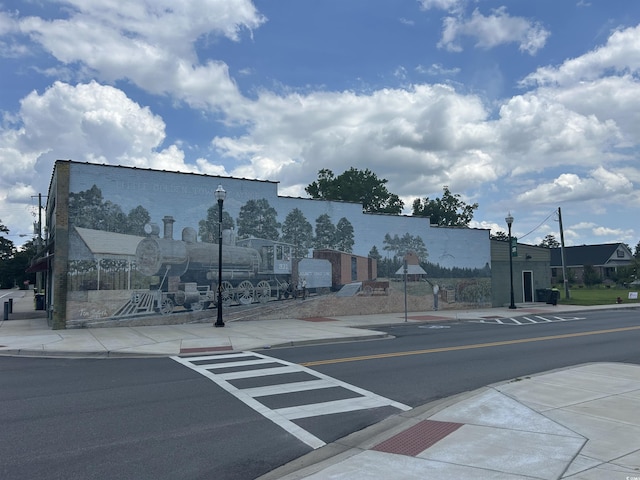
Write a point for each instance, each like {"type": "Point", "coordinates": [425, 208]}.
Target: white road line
{"type": "Point", "coordinates": [284, 416]}
{"type": "Point", "coordinates": [544, 319]}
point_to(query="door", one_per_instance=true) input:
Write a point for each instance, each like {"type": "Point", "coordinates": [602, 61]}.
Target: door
{"type": "Point", "coordinates": [527, 286]}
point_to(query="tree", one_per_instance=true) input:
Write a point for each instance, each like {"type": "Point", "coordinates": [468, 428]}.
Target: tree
{"type": "Point", "coordinates": [13, 267]}
{"type": "Point", "coordinates": [549, 242]}
{"type": "Point", "coordinates": [6, 245]}
{"type": "Point", "coordinates": [400, 246]}
{"type": "Point", "coordinates": [356, 185]}
{"type": "Point", "coordinates": [208, 228]}
{"type": "Point", "coordinates": [501, 236]}
{"type": "Point", "coordinates": [137, 219]}
{"type": "Point", "coordinates": [344, 235]}
{"type": "Point", "coordinates": [299, 232]}
{"type": "Point", "coordinates": [258, 219]}
{"type": "Point", "coordinates": [374, 253]}
{"type": "Point", "coordinates": [591, 276]}
{"type": "Point", "coordinates": [325, 232]}
{"type": "Point", "coordinates": [448, 211]}
{"type": "Point", "coordinates": [88, 209]}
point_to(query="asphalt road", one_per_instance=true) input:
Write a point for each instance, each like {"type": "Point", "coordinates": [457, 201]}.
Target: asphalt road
{"type": "Point", "coordinates": [158, 419]}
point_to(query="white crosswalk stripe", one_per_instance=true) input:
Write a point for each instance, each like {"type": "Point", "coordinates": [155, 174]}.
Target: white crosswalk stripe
{"type": "Point", "coordinates": [525, 320]}
{"type": "Point", "coordinates": [210, 366]}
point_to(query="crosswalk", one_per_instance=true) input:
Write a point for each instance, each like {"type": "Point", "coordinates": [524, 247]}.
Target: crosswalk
{"type": "Point", "coordinates": [527, 320]}
{"type": "Point", "coordinates": [259, 381]}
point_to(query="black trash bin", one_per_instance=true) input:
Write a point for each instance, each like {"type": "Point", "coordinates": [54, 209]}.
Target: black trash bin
{"type": "Point", "coordinates": [554, 296]}
{"type": "Point", "coordinates": [39, 301]}
{"type": "Point", "coordinates": [542, 294]}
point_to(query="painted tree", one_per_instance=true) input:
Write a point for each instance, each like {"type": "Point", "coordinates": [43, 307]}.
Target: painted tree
{"type": "Point", "coordinates": [374, 253]}
{"type": "Point", "coordinates": [344, 235]}
{"type": "Point", "coordinates": [353, 185]}
{"type": "Point", "coordinates": [448, 211]}
{"type": "Point", "coordinates": [400, 246]}
{"type": "Point", "coordinates": [298, 231]}
{"type": "Point", "coordinates": [208, 228]}
{"type": "Point", "coordinates": [325, 232]}
{"type": "Point", "coordinates": [258, 219]}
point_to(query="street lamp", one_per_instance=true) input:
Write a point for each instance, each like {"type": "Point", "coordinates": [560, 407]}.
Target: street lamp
{"type": "Point", "coordinates": [219, 194]}
{"type": "Point", "coordinates": [509, 220]}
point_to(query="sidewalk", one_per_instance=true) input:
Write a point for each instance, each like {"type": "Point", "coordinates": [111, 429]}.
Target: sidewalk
{"type": "Point", "coordinates": [27, 333]}
{"type": "Point", "coordinates": [579, 423]}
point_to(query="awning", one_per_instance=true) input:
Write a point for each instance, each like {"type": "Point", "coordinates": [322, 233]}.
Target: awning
{"type": "Point", "coordinates": [39, 264]}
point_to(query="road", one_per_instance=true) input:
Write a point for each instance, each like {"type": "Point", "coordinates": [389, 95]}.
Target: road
{"type": "Point", "coordinates": [227, 416]}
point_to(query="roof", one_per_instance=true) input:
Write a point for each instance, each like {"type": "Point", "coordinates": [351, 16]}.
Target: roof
{"type": "Point", "coordinates": [412, 270]}
{"type": "Point", "coordinates": [100, 242]}
{"type": "Point", "coordinates": [607, 254]}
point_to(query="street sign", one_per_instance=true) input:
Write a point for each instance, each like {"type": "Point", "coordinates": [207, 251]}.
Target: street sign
{"type": "Point", "coordinates": [514, 247]}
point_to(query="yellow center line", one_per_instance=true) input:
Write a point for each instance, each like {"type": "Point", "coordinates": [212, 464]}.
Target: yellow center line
{"type": "Point", "coordinates": [465, 347]}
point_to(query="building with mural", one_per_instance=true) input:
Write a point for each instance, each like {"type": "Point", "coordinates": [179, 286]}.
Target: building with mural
{"type": "Point", "coordinates": [123, 242]}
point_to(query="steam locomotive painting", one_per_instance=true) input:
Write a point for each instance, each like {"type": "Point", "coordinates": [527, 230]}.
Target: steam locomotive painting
{"type": "Point", "coordinates": [253, 270]}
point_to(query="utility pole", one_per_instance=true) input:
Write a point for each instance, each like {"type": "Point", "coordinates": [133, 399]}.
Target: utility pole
{"type": "Point", "coordinates": [562, 254]}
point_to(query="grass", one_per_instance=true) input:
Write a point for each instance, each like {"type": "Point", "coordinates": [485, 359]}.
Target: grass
{"type": "Point", "coordinates": [598, 295]}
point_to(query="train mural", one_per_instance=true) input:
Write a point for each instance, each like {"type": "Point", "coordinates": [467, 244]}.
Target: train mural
{"type": "Point", "coordinates": [253, 270]}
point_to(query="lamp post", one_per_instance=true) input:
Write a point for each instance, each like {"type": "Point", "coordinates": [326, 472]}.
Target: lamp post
{"type": "Point", "coordinates": [219, 194]}
{"type": "Point", "coordinates": [509, 220]}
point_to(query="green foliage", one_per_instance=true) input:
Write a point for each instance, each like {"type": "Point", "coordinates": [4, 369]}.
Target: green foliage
{"type": "Point", "coordinates": [449, 211]}
{"type": "Point", "coordinates": [356, 186]}
{"type": "Point", "coordinates": [591, 276]}
{"type": "Point", "coordinates": [13, 266]}
{"type": "Point", "coordinates": [598, 295]}
{"type": "Point", "coordinates": [325, 232]}
{"type": "Point", "coordinates": [344, 236]}
{"type": "Point", "coordinates": [297, 231]}
{"type": "Point", "coordinates": [257, 218]}
{"type": "Point", "coordinates": [400, 246]}
{"type": "Point", "coordinates": [6, 245]}
{"type": "Point", "coordinates": [550, 242]}
{"type": "Point", "coordinates": [208, 228]}
{"type": "Point", "coordinates": [374, 253]}
{"type": "Point", "coordinates": [88, 209]}
{"type": "Point", "coordinates": [501, 236]}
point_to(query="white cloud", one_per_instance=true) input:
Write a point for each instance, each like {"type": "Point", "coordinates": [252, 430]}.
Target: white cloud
{"type": "Point", "coordinates": [620, 54]}
{"type": "Point", "coordinates": [89, 122]}
{"type": "Point", "coordinates": [570, 187]}
{"type": "Point", "coordinates": [137, 40]}
{"type": "Point", "coordinates": [490, 31]}
{"type": "Point", "coordinates": [448, 5]}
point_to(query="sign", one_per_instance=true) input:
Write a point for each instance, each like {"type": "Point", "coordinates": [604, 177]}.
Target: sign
{"type": "Point", "coordinates": [633, 295]}
{"type": "Point", "coordinates": [514, 247]}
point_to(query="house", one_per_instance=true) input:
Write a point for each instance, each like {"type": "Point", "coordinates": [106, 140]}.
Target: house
{"type": "Point", "coordinates": [604, 258]}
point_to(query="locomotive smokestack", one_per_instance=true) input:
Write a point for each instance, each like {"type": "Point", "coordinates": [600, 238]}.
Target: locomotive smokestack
{"type": "Point", "coordinates": [168, 221]}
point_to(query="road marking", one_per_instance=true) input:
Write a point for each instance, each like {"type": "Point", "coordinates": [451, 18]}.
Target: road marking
{"type": "Point", "coordinates": [283, 416]}
{"type": "Point", "coordinates": [526, 320]}
{"type": "Point", "coordinates": [466, 347]}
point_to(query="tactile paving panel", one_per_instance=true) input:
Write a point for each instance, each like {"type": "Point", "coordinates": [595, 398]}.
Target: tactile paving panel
{"type": "Point", "coordinates": [417, 438]}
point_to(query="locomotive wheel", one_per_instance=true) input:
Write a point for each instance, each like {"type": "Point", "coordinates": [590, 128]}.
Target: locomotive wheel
{"type": "Point", "coordinates": [245, 292]}
{"type": "Point", "coordinates": [166, 306]}
{"type": "Point", "coordinates": [196, 307]}
{"type": "Point", "coordinates": [263, 291]}
{"type": "Point", "coordinates": [284, 289]}
{"type": "Point", "coordinates": [227, 293]}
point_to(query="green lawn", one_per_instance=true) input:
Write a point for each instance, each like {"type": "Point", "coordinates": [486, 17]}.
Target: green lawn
{"type": "Point", "coordinates": [596, 295]}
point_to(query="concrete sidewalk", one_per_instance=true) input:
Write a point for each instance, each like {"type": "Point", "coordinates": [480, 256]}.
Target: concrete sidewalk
{"type": "Point", "coordinates": [27, 333]}
{"type": "Point", "coordinates": [579, 423]}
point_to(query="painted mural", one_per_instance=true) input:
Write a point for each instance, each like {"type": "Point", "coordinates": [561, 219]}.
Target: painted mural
{"type": "Point", "coordinates": [144, 241]}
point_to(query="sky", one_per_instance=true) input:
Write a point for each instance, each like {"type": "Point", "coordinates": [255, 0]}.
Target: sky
{"type": "Point", "coordinates": [519, 106]}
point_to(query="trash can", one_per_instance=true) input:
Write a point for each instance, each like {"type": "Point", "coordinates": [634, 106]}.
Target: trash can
{"type": "Point", "coordinates": [39, 300]}
{"type": "Point", "coordinates": [554, 296]}
{"type": "Point", "coordinates": [542, 294]}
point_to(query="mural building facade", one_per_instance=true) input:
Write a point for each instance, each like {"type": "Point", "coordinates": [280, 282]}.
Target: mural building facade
{"type": "Point", "coordinates": [126, 242]}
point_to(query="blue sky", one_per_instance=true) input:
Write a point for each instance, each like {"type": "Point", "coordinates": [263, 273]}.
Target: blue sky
{"type": "Point", "coordinates": [519, 106]}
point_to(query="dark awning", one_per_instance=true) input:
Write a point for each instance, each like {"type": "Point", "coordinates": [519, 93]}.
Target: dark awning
{"type": "Point", "coordinates": [39, 264]}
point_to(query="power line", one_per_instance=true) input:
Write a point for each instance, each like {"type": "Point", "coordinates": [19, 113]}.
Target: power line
{"type": "Point", "coordinates": [541, 223]}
